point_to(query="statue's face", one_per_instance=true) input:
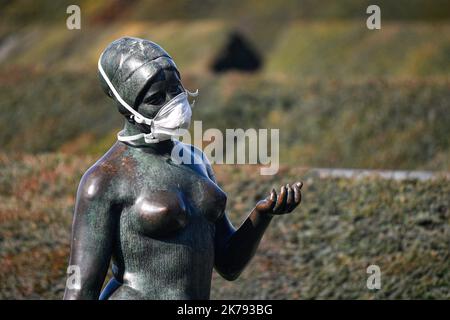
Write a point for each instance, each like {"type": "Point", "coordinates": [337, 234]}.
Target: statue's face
{"type": "Point", "coordinates": [162, 87]}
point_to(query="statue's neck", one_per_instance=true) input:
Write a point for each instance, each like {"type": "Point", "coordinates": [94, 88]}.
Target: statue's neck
{"type": "Point", "coordinates": [130, 129]}
{"type": "Point", "coordinates": [163, 147]}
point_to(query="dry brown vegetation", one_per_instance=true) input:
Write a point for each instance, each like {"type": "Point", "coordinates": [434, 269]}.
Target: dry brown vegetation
{"type": "Point", "coordinates": [321, 250]}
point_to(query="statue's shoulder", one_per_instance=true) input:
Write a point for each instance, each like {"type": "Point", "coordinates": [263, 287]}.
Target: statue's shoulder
{"type": "Point", "coordinates": [191, 153]}
{"type": "Point", "coordinates": [197, 156]}
{"type": "Point", "coordinates": [96, 182]}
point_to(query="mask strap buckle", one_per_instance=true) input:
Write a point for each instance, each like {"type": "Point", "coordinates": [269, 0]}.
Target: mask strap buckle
{"type": "Point", "coordinates": [191, 94]}
{"type": "Point", "coordinates": [149, 138]}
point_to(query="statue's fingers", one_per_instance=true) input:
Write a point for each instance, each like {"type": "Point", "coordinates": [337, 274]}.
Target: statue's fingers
{"type": "Point", "coordinates": [296, 198]}
{"type": "Point", "coordinates": [290, 205]}
{"type": "Point", "coordinates": [268, 203]}
{"type": "Point", "coordinates": [297, 194]}
{"type": "Point", "coordinates": [281, 201]}
{"type": "Point", "coordinates": [272, 199]}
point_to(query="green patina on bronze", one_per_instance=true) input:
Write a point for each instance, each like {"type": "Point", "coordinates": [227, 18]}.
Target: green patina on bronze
{"type": "Point", "coordinates": [162, 224]}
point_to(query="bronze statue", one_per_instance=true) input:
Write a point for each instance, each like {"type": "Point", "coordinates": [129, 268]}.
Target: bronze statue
{"type": "Point", "coordinates": [162, 224]}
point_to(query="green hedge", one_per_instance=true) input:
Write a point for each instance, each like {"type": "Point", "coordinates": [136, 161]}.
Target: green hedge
{"type": "Point", "coordinates": [371, 123]}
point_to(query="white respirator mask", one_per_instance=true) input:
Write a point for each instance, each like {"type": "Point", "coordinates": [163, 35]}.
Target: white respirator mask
{"type": "Point", "coordinates": [171, 120]}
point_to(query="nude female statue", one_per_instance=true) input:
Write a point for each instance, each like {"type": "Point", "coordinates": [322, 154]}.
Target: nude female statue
{"type": "Point", "coordinates": [162, 224]}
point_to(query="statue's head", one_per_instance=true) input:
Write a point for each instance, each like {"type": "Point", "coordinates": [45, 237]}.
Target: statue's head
{"type": "Point", "coordinates": [143, 74]}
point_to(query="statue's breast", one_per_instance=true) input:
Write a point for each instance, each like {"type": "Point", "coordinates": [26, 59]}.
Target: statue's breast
{"type": "Point", "coordinates": [208, 199]}
{"type": "Point", "coordinates": [161, 213]}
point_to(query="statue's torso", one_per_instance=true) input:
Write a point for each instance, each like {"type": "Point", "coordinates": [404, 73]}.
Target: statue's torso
{"type": "Point", "coordinates": [164, 245]}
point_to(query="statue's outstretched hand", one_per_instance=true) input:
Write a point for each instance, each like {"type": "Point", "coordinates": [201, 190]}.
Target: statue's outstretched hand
{"type": "Point", "coordinates": [288, 199]}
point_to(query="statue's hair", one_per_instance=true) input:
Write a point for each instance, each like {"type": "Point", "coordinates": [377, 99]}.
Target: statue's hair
{"type": "Point", "coordinates": [129, 63]}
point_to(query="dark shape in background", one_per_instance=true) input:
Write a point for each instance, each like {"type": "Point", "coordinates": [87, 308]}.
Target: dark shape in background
{"type": "Point", "coordinates": [238, 54]}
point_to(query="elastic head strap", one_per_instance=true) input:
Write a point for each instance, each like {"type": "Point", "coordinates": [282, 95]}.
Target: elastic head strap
{"type": "Point", "coordinates": [148, 137]}
{"type": "Point", "coordinates": [137, 116]}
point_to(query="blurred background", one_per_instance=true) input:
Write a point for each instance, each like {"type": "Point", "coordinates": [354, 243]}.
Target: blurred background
{"type": "Point", "coordinates": [342, 95]}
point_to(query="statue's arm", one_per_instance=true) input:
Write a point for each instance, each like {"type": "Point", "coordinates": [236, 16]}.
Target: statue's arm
{"type": "Point", "coordinates": [234, 248]}
{"type": "Point", "coordinates": [93, 230]}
